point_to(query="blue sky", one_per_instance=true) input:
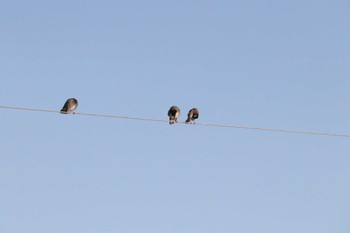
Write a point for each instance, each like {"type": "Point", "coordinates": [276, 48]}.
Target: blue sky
{"type": "Point", "coordinates": [278, 64]}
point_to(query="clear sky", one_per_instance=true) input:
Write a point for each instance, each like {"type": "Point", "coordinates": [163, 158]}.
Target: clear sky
{"type": "Point", "coordinates": [278, 64]}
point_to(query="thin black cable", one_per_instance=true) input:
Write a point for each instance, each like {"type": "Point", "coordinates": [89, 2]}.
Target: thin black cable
{"type": "Point", "coordinates": [197, 123]}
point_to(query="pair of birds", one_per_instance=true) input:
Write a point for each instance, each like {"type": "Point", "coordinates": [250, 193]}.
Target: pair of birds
{"type": "Point", "coordinates": [174, 113]}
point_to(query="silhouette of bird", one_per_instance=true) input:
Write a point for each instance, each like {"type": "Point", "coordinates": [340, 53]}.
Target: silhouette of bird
{"type": "Point", "coordinates": [70, 105]}
{"type": "Point", "coordinates": [173, 113]}
{"type": "Point", "coordinates": [192, 115]}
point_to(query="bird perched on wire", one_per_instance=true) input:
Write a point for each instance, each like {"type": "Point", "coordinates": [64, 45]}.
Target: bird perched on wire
{"type": "Point", "coordinates": [70, 105]}
{"type": "Point", "coordinates": [173, 113]}
{"type": "Point", "coordinates": [192, 115]}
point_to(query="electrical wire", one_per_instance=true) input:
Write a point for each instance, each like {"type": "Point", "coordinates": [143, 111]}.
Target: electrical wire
{"type": "Point", "coordinates": [197, 123]}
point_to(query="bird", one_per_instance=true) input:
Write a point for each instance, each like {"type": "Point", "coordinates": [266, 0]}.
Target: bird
{"type": "Point", "coordinates": [70, 105]}
{"type": "Point", "coordinates": [192, 115]}
{"type": "Point", "coordinates": [173, 113]}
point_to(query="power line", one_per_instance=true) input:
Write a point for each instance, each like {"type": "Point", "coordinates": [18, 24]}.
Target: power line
{"type": "Point", "coordinates": [197, 123]}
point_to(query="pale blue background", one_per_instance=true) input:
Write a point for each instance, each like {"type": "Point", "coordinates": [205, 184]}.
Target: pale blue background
{"type": "Point", "coordinates": [279, 64]}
